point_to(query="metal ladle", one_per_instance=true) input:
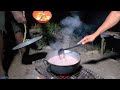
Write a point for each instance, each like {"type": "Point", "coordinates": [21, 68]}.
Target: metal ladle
{"type": "Point", "coordinates": [61, 51]}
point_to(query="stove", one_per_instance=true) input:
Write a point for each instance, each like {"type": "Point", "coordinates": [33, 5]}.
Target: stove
{"type": "Point", "coordinates": [81, 73]}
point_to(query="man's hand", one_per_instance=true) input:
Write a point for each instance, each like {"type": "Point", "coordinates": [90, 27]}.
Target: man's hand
{"type": "Point", "coordinates": [88, 38]}
{"type": "Point", "coordinates": [19, 17]}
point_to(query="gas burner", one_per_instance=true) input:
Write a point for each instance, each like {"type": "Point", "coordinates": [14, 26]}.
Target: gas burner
{"type": "Point", "coordinates": [70, 76]}
{"type": "Point", "coordinates": [81, 73]}
{"type": "Point", "coordinates": [63, 77]}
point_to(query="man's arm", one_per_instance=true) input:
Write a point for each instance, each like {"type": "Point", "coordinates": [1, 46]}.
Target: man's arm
{"type": "Point", "coordinates": [19, 17]}
{"type": "Point", "coordinates": [112, 19]}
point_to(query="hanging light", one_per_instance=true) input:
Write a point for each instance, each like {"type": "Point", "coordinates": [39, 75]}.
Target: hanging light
{"type": "Point", "coordinates": [42, 16]}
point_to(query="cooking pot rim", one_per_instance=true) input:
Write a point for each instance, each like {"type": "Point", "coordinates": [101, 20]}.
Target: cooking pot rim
{"type": "Point", "coordinates": [50, 55]}
{"type": "Point", "coordinates": [63, 65]}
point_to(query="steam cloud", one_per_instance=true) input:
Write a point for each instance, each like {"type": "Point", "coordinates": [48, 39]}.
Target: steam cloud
{"type": "Point", "coordinates": [71, 25]}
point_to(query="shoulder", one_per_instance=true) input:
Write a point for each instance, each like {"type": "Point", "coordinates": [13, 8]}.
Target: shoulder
{"type": "Point", "coordinates": [116, 12]}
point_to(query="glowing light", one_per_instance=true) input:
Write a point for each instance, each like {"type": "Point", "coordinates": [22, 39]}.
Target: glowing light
{"type": "Point", "coordinates": [42, 16]}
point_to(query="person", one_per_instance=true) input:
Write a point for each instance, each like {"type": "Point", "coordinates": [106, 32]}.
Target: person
{"type": "Point", "coordinates": [112, 19]}
{"type": "Point", "coordinates": [17, 23]}
{"type": "Point", "coordinates": [19, 17]}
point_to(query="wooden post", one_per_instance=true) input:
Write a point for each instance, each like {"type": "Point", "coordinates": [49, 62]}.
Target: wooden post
{"type": "Point", "coordinates": [103, 45]}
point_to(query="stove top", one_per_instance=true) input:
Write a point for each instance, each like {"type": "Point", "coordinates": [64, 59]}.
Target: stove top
{"type": "Point", "coordinates": [81, 73]}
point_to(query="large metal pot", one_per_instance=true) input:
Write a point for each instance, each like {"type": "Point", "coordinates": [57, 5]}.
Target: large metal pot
{"type": "Point", "coordinates": [63, 70]}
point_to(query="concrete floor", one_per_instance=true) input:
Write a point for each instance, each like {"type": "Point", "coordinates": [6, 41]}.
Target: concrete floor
{"type": "Point", "coordinates": [108, 68]}
{"type": "Point", "coordinates": [18, 70]}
